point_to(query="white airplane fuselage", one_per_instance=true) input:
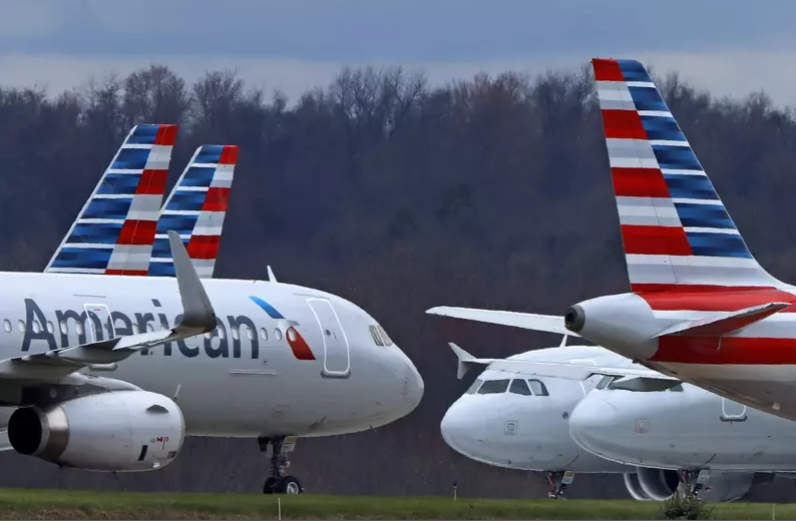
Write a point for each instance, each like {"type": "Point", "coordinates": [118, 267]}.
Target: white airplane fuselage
{"type": "Point", "coordinates": [528, 432]}
{"type": "Point", "coordinates": [687, 429]}
{"type": "Point", "coordinates": [245, 379]}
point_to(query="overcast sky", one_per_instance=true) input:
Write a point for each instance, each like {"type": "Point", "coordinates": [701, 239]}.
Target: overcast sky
{"type": "Point", "coordinates": [732, 47]}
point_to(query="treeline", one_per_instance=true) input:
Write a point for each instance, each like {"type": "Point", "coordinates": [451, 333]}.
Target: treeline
{"type": "Point", "coordinates": [489, 191]}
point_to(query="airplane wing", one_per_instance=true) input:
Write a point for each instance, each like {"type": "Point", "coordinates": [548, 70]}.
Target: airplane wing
{"type": "Point", "coordinates": [198, 318]}
{"type": "Point", "coordinates": [544, 323]}
{"type": "Point", "coordinates": [725, 322]}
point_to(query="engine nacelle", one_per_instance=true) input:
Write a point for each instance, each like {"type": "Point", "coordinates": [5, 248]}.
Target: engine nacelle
{"type": "Point", "coordinates": [119, 431]}
{"type": "Point", "coordinates": [648, 484]}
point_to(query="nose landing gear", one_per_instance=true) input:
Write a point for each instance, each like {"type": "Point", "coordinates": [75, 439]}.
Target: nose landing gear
{"type": "Point", "coordinates": [557, 483]}
{"type": "Point", "coordinates": [279, 482]}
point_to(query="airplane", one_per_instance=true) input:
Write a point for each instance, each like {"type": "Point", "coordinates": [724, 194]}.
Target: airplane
{"type": "Point", "coordinates": [93, 366]}
{"type": "Point", "coordinates": [521, 421]}
{"type": "Point", "coordinates": [701, 308]}
{"type": "Point", "coordinates": [516, 415]}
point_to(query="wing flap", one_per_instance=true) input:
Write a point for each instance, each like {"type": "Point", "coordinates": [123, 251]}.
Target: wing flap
{"type": "Point", "coordinates": [726, 322]}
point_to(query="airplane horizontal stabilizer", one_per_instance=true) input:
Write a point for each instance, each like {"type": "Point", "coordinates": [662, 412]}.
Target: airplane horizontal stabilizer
{"type": "Point", "coordinates": [466, 360]}
{"type": "Point", "coordinates": [724, 323]}
{"type": "Point", "coordinates": [198, 318]}
{"type": "Point", "coordinates": [544, 323]}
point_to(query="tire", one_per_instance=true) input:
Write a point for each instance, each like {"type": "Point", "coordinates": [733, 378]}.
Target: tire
{"type": "Point", "coordinates": [268, 487]}
{"type": "Point", "coordinates": [288, 485]}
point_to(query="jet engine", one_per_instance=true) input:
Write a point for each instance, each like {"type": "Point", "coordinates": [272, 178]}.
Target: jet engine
{"type": "Point", "coordinates": [118, 431]}
{"type": "Point", "coordinates": [648, 484]}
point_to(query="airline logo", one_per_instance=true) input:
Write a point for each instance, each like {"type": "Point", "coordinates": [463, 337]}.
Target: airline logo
{"type": "Point", "coordinates": [196, 209]}
{"type": "Point", "coordinates": [115, 230]}
{"type": "Point", "coordinates": [675, 229]}
{"type": "Point", "coordinates": [298, 345]}
{"type": "Point", "coordinates": [52, 329]}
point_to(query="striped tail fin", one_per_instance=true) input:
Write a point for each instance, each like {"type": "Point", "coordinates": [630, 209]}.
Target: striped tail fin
{"type": "Point", "coordinates": [196, 209]}
{"type": "Point", "coordinates": [675, 229]}
{"type": "Point", "coordinates": [115, 230]}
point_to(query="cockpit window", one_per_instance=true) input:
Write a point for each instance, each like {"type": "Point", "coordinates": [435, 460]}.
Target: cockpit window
{"type": "Point", "coordinates": [494, 387]}
{"type": "Point", "coordinates": [376, 337]}
{"type": "Point", "coordinates": [538, 388]}
{"type": "Point", "coordinates": [519, 387]}
{"type": "Point", "coordinates": [474, 386]}
{"type": "Point", "coordinates": [676, 389]}
{"type": "Point", "coordinates": [387, 340]}
{"type": "Point", "coordinates": [605, 382]}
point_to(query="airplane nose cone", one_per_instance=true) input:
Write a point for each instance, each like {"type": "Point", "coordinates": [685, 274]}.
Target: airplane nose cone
{"type": "Point", "coordinates": [593, 424]}
{"type": "Point", "coordinates": [461, 429]}
{"type": "Point", "coordinates": [413, 384]}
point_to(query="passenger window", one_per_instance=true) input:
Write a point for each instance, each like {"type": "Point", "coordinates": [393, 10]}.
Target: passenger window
{"type": "Point", "coordinates": [384, 336]}
{"type": "Point", "coordinates": [79, 328]}
{"type": "Point", "coordinates": [64, 329]}
{"type": "Point", "coordinates": [538, 388]}
{"type": "Point", "coordinates": [136, 330]}
{"type": "Point", "coordinates": [263, 334]}
{"type": "Point", "coordinates": [278, 334]}
{"type": "Point", "coordinates": [36, 326]}
{"type": "Point", "coordinates": [235, 334]}
{"type": "Point", "coordinates": [21, 326]}
{"type": "Point", "coordinates": [375, 334]}
{"type": "Point", "coordinates": [150, 328]}
{"type": "Point", "coordinates": [249, 333]}
{"type": "Point", "coordinates": [474, 386]}
{"type": "Point", "coordinates": [7, 325]}
{"type": "Point", "coordinates": [494, 387]}
{"type": "Point", "coordinates": [519, 387]}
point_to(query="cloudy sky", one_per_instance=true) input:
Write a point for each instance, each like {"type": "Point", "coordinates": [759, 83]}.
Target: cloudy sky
{"type": "Point", "coordinates": [732, 47]}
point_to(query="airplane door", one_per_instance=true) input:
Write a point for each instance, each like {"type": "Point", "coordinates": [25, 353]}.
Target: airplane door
{"type": "Point", "coordinates": [732, 411]}
{"type": "Point", "coordinates": [99, 322]}
{"type": "Point", "coordinates": [336, 356]}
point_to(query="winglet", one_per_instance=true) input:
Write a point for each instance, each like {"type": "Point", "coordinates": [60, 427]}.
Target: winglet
{"type": "Point", "coordinates": [466, 360]}
{"type": "Point", "coordinates": [198, 312]}
{"type": "Point", "coordinates": [271, 276]}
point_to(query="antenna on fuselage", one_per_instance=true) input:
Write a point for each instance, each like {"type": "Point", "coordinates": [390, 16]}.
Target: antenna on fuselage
{"type": "Point", "coordinates": [271, 276]}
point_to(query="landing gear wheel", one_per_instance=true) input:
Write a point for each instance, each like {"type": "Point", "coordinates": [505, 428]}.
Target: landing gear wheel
{"type": "Point", "coordinates": [279, 482]}
{"type": "Point", "coordinates": [288, 485]}
{"type": "Point", "coordinates": [268, 487]}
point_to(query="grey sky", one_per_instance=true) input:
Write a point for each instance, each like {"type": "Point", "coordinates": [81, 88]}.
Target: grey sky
{"type": "Point", "coordinates": [730, 46]}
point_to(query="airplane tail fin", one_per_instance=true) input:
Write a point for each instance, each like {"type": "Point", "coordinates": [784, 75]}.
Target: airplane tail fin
{"type": "Point", "coordinates": [195, 209]}
{"type": "Point", "coordinates": [114, 231]}
{"type": "Point", "coordinates": [676, 232]}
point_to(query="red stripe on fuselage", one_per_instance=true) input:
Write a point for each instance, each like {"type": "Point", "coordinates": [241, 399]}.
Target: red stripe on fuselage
{"type": "Point", "coordinates": [732, 300]}
{"type": "Point", "coordinates": [731, 351]}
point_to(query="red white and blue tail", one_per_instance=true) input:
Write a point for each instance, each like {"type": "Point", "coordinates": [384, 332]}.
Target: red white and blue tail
{"type": "Point", "coordinates": [195, 209]}
{"type": "Point", "coordinates": [115, 230]}
{"type": "Point", "coordinates": [675, 229]}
